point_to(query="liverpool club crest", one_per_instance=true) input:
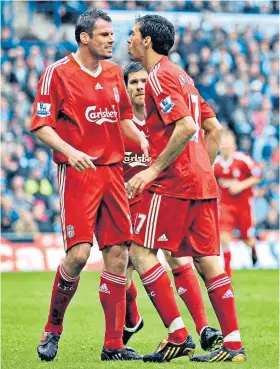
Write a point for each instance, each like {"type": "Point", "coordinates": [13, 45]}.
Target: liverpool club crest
{"type": "Point", "coordinates": [116, 94]}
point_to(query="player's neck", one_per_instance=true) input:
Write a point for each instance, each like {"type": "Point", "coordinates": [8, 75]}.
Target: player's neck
{"type": "Point", "coordinates": [84, 57]}
{"type": "Point", "coordinates": [138, 112]}
{"type": "Point", "coordinates": [151, 59]}
{"type": "Point", "coordinates": [227, 157]}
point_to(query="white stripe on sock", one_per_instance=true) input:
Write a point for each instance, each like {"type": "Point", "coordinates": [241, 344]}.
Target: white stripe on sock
{"type": "Point", "coordinates": [176, 324]}
{"type": "Point", "coordinates": [233, 337]}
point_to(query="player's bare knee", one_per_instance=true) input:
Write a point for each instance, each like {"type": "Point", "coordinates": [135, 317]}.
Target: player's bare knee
{"type": "Point", "coordinates": [77, 256]}
{"type": "Point", "coordinates": [225, 239]}
{"type": "Point", "coordinates": [115, 258]}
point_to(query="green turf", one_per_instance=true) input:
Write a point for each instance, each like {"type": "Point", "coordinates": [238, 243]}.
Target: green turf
{"type": "Point", "coordinates": [25, 300]}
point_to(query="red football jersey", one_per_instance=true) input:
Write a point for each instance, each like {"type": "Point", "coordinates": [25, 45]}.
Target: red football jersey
{"type": "Point", "coordinates": [134, 159]}
{"type": "Point", "coordinates": [170, 96]}
{"type": "Point", "coordinates": [240, 167]}
{"type": "Point", "coordinates": [84, 108]}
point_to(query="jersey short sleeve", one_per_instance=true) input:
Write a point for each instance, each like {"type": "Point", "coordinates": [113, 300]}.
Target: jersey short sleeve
{"type": "Point", "coordinates": [48, 100]}
{"type": "Point", "coordinates": [206, 111]}
{"type": "Point", "coordinates": [251, 168]}
{"type": "Point", "coordinates": [166, 93]}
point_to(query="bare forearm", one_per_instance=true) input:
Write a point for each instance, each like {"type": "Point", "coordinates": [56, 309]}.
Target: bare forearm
{"type": "Point", "coordinates": [212, 146]}
{"type": "Point", "coordinates": [180, 137]}
{"type": "Point", "coordinates": [213, 133]}
{"type": "Point", "coordinates": [249, 182]}
{"type": "Point", "coordinates": [130, 131]}
{"type": "Point", "coordinates": [50, 138]}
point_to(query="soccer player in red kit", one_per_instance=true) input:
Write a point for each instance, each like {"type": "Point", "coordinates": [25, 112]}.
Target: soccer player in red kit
{"type": "Point", "coordinates": [185, 279]}
{"type": "Point", "coordinates": [81, 111]}
{"type": "Point", "coordinates": [179, 203]}
{"type": "Point", "coordinates": [236, 173]}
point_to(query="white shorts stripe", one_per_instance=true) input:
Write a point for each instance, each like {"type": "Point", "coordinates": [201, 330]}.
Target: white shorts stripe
{"type": "Point", "coordinates": [152, 221]}
{"type": "Point", "coordinates": [155, 222]}
{"type": "Point", "coordinates": [61, 182]}
{"type": "Point", "coordinates": [149, 219]}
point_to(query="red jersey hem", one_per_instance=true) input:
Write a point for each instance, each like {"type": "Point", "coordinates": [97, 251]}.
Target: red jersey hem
{"type": "Point", "coordinates": [34, 128]}
{"type": "Point", "coordinates": [117, 242]}
{"type": "Point", "coordinates": [82, 240]}
{"type": "Point", "coordinates": [183, 197]}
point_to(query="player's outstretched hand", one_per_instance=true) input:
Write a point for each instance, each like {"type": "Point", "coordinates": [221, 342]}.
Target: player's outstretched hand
{"type": "Point", "coordinates": [81, 161]}
{"type": "Point", "coordinates": [140, 181]}
{"type": "Point", "coordinates": [145, 147]}
{"type": "Point", "coordinates": [235, 188]}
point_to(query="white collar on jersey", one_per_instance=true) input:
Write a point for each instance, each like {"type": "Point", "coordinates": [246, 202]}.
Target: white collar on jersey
{"type": "Point", "coordinates": [226, 163]}
{"type": "Point", "coordinates": [138, 121]}
{"type": "Point", "coordinates": [95, 75]}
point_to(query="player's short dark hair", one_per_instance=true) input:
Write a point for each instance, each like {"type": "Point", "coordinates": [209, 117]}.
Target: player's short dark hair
{"type": "Point", "coordinates": [132, 67]}
{"type": "Point", "coordinates": [86, 22]}
{"type": "Point", "coordinates": [161, 31]}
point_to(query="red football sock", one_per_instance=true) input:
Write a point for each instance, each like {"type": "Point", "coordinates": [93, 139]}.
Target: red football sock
{"type": "Point", "coordinates": [222, 298]}
{"type": "Point", "coordinates": [112, 297]}
{"type": "Point", "coordinates": [159, 289]}
{"type": "Point", "coordinates": [189, 290]}
{"type": "Point", "coordinates": [132, 316]}
{"type": "Point", "coordinates": [64, 288]}
{"type": "Point", "coordinates": [227, 259]}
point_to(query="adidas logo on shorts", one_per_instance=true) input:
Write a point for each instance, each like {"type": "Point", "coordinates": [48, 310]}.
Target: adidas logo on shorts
{"type": "Point", "coordinates": [181, 290]}
{"type": "Point", "coordinates": [103, 288]}
{"type": "Point", "coordinates": [163, 238]}
{"type": "Point", "coordinates": [98, 86]}
{"type": "Point", "coordinates": [228, 295]}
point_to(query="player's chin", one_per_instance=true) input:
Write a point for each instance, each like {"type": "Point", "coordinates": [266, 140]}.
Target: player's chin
{"type": "Point", "coordinates": [108, 55]}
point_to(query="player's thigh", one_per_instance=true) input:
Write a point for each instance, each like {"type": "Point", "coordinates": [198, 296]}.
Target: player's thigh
{"type": "Point", "coordinates": [226, 238]}
{"type": "Point", "coordinates": [159, 223]}
{"type": "Point", "coordinates": [174, 262]}
{"type": "Point", "coordinates": [113, 225]}
{"type": "Point", "coordinates": [202, 236]}
{"type": "Point", "coordinates": [134, 210]}
{"type": "Point", "coordinates": [227, 218]}
{"type": "Point", "coordinates": [80, 197]}
{"type": "Point", "coordinates": [245, 223]}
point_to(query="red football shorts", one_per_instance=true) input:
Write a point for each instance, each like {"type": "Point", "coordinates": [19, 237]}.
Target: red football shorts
{"type": "Point", "coordinates": [184, 227]}
{"type": "Point", "coordinates": [240, 217]}
{"type": "Point", "coordinates": [94, 202]}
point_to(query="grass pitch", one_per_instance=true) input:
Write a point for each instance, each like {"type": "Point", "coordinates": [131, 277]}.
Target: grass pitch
{"type": "Point", "coordinates": [25, 303]}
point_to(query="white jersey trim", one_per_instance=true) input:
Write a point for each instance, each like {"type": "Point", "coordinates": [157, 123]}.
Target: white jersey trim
{"type": "Point", "coordinates": [45, 89]}
{"type": "Point", "coordinates": [246, 159]}
{"type": "Point", "coordinates": [154, 81]}
{"type": "Point", "coordinates": [138, 121]}
{"type": "Point", "coordinates": [93, 74]}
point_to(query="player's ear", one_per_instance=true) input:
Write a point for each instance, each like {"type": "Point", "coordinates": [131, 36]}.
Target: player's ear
{"type": "Point", "coordinates": [147, 41]}
{"type": "Point", "coordinates": [84, 37]}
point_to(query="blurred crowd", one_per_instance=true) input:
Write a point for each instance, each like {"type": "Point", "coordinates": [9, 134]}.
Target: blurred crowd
{"type": "Point", "coordinates": [237, 72]}
{"type": "Point", "coordinates": [248, 6]}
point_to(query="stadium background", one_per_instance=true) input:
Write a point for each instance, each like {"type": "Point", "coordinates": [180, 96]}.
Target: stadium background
{"type": "Point", "coordinates": [231, 48]}
{"type": "Point", "coordinates": [235, 67]}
